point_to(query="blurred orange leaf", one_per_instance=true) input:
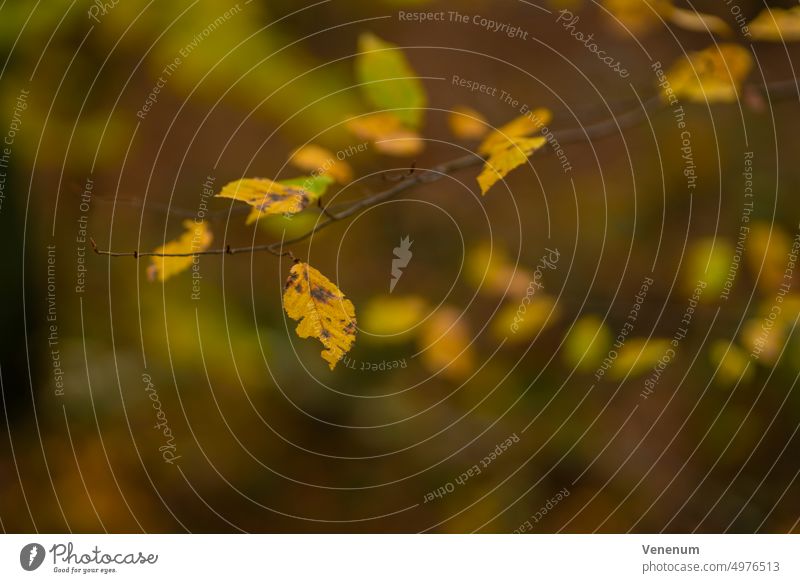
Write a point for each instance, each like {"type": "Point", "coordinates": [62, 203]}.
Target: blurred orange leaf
{"type": "Point", "coordinates": [387, 133]}
{"type": "Point", "coordinates": [319, 160]}
{"type": "Point", "coordinates": [467, 123]}
{"type": "Point", "coordinates": [445, 339]}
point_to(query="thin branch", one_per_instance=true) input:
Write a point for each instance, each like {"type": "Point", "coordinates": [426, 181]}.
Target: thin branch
{"type": "Point", "coordinates": [775, 91]}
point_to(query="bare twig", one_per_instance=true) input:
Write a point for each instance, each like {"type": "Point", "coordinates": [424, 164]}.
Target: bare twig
{"type": "Point", "coordinates": [775, 91]}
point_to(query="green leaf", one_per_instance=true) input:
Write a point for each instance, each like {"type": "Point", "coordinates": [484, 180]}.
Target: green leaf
{"type": "Point", "coordinates": [315, 186]}
{"type": "Point", "coordinates": [388, 80]}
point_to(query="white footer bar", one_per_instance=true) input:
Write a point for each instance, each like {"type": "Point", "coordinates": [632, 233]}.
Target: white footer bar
{"type": "Point", "coordinates": [401, 558]}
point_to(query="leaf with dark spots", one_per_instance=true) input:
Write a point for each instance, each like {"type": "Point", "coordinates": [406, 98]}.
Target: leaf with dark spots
{"type": "Point", "coordinates": [321, 310]}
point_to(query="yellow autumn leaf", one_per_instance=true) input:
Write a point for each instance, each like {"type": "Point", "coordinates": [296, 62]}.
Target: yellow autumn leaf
{"type": "Point", "coordinates": [490, 271]}
{"type": "Point", "coordinates": [390, 318]}
{"type": "Point", "coordinates": [732, 363]}
{"type": "Point", "coordinates": [504, 160]}
{"type": "Point", "coordinates": [319, 160]}
{"type": "Point", "coordinates": [445, 344]}
{"type": "Point", "coordinates": [776, 24]}
{"type": "Point", "coordinates": [386, 131]}
{"type": "Point", "coordinates": [322, 311]}
{"type": "Point", "coordinates": [388, 80]}
{"type": "Point", "coordinates": [522, 321]}
{"type": "Point", "coordinates": [195, 239]}
{"type": "Point", "coordinates": [637, 356]}
{"type": "Point", "coordinates": [698, 22]}
{"type": "Point", "coordinates": [266, 197]}
{"type": "Point", "coordinates": [587, 343]}
{"type": "Point", "coordinates": [713, 74]}
{"type": "Point", "coordinates": [467, 123]}
{"type": "Point", "coordinates": [519, 127]}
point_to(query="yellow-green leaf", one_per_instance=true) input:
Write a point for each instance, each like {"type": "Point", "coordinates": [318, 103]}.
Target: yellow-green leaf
{"type": "Point", "coordinates": [389, 81]}
{"type": "Point", "coordinates": [467, 123]}
{"type": "Point", "coordinates": [322, 311]}
{"type": "Point", "coordinates": [776, 24]}
{"type": "Point", "coordinates": [313, 186]}
{"type": "Point", "coordinates": [195, 239]}
{"type": "Point", "coordinates": [266, 197]}
{"type": "Point", "coordinates": [289, 226]}
{"type": "Point", "coordinates": [731, 362]}
{"type": "Point", "coordinates": [520, 127]}
{"type": "Point", "coordinates": [319, 160]}
{"type": "Point", "coordinates": [504, 160]}
{"type": "Point", "coordinates": [387, 133]}
{"type": "Point", "coordinates": [588, 343]}
{"type": "Point", "coordinates": [709, 260]}
{"type": "Point", "coordinates": [713, 74]}
{"type": "Point", "coordinates": [639, 355]}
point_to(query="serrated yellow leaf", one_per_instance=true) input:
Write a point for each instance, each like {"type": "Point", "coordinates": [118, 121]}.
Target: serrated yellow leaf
{"type": "Point", "coordinates": [267, 197]}
{"type": "Point", "coordinates": [698, 22]}
{"type": "Point", "coordinates": [390, 318]}
{"type": "Point", "coordinates": [445, 344]}
{"type": "Point", "coordinates": [776, 24]}
{"type": "Point", "coordinates": [319, 160]}
{"type": "Point", "coordinates": [322, 311]}
{"type": "Point", "coordinates": [467, 123]}
{"type": "Point", "coordinates": [389, 81]}
{"type": "Point", "coordinates": [713, 74]}
{"type": "Point", "coordinates": [195, 239]}
{"type": "Point", "coordinates": [385, 130]}
{"type": "Point", "coordinates": [504, 160]}
{"type": "Point", "coordinates": [520, 127]}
